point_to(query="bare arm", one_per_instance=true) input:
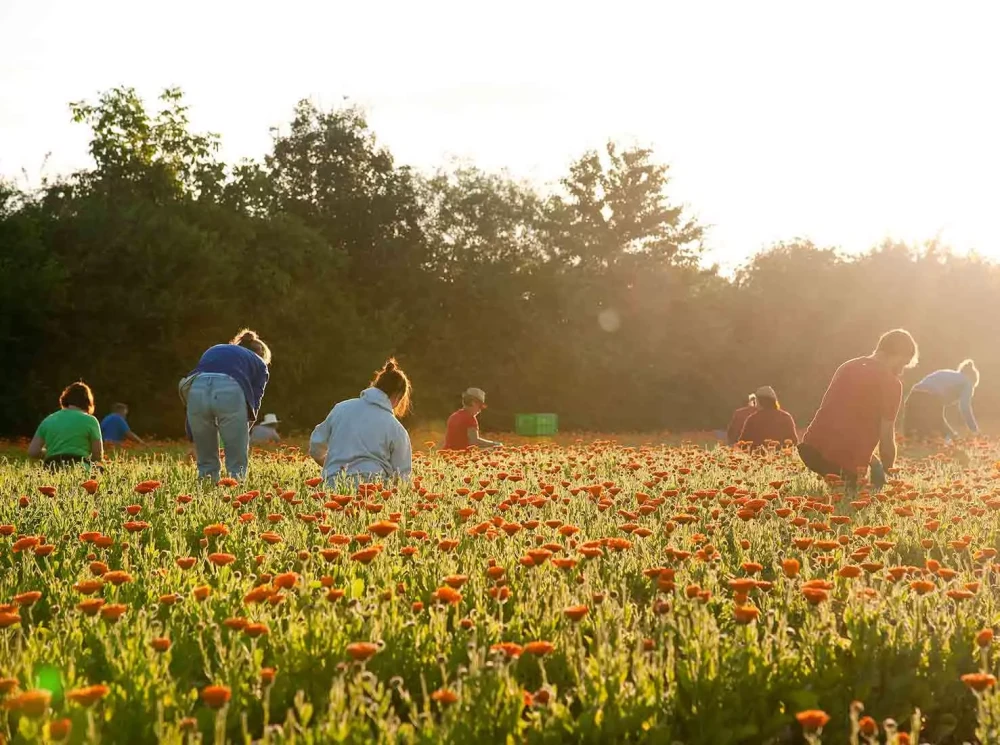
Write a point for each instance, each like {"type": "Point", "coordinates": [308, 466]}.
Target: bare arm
{"type": "Point", "coordinates": [96, 450]}
{"type": "Point", "coordinates": [37, 448]}
{"type": "Point", "coordinates": [887, 443]}
{"type": "Point", "coordinates": [318, 442]}
{"type": "Point", "coordinates": [475, 440]}
{"type": "Point", "coordinates": [133, 436]}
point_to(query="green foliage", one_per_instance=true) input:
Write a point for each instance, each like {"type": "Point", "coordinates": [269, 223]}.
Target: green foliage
{"type": "Point", "coordinates": [590, 301]}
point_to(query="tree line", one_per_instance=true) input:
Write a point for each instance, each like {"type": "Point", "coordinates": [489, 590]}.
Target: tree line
{"type": "Point", "coordinates": [591, 299]}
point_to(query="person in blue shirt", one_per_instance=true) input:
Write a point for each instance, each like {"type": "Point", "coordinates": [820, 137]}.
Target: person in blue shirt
{"type": "Point", "coordinates": [222, 396]}
{"type": "Point", "coordinates": [115, 428]}
{"type": "Point", "coordinates": [925, 406]}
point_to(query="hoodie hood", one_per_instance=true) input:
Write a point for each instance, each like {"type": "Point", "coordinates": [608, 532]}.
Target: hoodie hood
{"type": "Point", "coordinates": [377, 398]}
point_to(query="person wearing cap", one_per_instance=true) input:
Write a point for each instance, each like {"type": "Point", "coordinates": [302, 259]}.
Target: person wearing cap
{"type": "Point", "coordinates": [266, 430]}
{"type": "Point", "coordinates": [858, 414]}
{"type": "Point", "coordinates": [768, 423]}
{"type": "Point", "coordinates": [740, 417]}
{"type": "Point", "coordinates": [463, 426]}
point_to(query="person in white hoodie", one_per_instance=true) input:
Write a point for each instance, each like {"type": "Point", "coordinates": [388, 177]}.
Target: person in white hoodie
{"type": "Point", "coordinates": [361, 438]}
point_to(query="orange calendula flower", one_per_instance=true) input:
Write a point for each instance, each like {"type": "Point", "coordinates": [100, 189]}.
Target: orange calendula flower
{"type": "Point", "coordinates": [456, 580]}
{"type": "Point", "coordinates": [576, 613]}
{"type": "Point", "coordinates": [113, 612]}
{"type": "Point", "coordinates": [539, 648]}
{"type": "Point", "coordinates": [27, 599]}
{"type": "Point", "coordinates": [444, 696]}
{"type": "Point", "coordinates": [117, 577]}
{"type": "Point", "coordinates": [9, 619]}
{"type": "Point", "coordinates": [253, 630]}
{"type": "Point", "coordinates": [202, 592]}
{"type": "Point", "coordinates": [383, 528]}
{"type": "Point", "coordinates": [984, 638]}
{"type": "Point", "coordinates": [447, 595]}
{"type": "Point", "coordinates": [90, 486]}
{"type": "Point", "coordinates": [216, 529]}
{"type": "Point", "coordinates": [91, 606]}
{"type": "Point", "coordinates": [366, 555]}
{"type": "Point", "coordinates": [812, 720]}
{"type": "Point", "coordinates": [216, 697]}
{"type": "Point", "coordinates": [228, 481]}
{"type": "Point", "coordinates": [267, 675]}
{"type": "Point", "coordinates": [32, 704]}
{"type": "Point", "coordinates": [745, 614]}
{"type": "Point", "coordinates": [509, 649]}
{"type": "Point", "coordinates": [89, 695]}
{"type": "Point", "coordinates": [286, 581]}
{"type": "Point", "coordinates": [361, 651]}
{"type": "Point", "coordinates": [59, 729]}
{"type": "Point", "coordinates": [979, 682]}
{"type": "Point", "coordinates": [160, 644]}
{"type": "Point", "coordinates": [220, 560]}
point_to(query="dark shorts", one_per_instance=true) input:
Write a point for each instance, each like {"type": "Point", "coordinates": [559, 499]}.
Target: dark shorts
{"type": "Point", "coordinates": [814, 460]}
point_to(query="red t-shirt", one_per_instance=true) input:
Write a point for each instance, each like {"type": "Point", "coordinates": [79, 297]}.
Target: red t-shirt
{"type": "Point", "coordinates": [457, 434]}
{"type": "Point", "coordinates": [861, 395]}
{"type": "Point", "coordinates": [740, 417]}
{"type": "Point", "coordinates": [769, 424]}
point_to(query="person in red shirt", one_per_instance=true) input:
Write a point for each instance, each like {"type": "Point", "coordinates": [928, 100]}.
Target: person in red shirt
{"type": "Point", "coordinates": [463, 426]}
{"type": "Point", "coordinates": [768, 423]}
{"type": "Point", "coordinates": [740, 417]}
{"type": "Point", "coordinates": [859, 412]}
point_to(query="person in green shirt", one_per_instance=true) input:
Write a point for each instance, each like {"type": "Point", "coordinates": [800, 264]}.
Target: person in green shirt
{"type": "Point", "coordinates": [72, 434]}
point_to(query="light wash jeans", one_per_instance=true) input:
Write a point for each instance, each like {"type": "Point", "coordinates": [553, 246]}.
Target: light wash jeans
{"type": "Point", "coordinates": [216, 406]}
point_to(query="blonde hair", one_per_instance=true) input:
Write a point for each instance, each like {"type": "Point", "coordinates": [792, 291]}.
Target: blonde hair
{"type": "Point", "coordinates": [249, 340]}
{"type": "Point", "coordinates": [968, 369]}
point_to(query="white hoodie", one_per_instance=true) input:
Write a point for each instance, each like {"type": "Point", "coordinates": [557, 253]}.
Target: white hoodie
{"type": "Point", "coordinates": [361, 436]}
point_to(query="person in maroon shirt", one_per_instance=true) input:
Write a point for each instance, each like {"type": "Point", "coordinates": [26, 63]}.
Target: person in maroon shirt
{"type": "Point", "coordinates": [740, 417]}
{"type": "Point", "coordinates": [859, 412]}
{"type": "Point", "coordinates": [463, 426]}
{"type": "Point", "coordinates": [768, 423]}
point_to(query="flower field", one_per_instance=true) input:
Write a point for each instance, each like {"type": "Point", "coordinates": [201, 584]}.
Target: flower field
{"type": "Point", "coordinates": [545, 594]}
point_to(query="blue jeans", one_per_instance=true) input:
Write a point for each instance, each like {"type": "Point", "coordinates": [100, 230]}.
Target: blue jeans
{"type": "Point", "coordinates": [216, 406]}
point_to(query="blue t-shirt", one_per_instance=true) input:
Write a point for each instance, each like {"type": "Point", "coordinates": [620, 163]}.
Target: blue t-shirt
{"type": "Point", "coordinates": [114, 428]}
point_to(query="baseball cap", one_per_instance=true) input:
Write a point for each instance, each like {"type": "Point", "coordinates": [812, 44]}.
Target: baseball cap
{"type": "Point", "coordinates": [477, 393]}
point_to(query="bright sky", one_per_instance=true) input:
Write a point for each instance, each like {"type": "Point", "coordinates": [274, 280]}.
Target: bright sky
{"type": "Point", "coordinates": [845, 122]}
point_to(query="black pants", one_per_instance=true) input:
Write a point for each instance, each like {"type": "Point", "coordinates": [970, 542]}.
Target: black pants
{"type": "Point", "coordinates": [924, 416]}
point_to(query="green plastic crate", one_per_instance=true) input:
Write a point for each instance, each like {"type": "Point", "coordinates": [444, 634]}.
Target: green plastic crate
{"type": "Point", "coordinates": [536, 425]}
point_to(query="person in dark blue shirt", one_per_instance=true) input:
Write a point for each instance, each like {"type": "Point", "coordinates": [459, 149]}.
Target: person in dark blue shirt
{"type": "Point", "coordinates": [114, 427]}
{"type": "Point", "coordinates": [222, 396]}
{"type": "Point", "coordinates": [926, 404]}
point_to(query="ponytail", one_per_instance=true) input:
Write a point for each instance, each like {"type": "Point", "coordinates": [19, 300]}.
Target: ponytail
{"type": "Point", "coordinates": [248, 339]}
{"type": "Point", "coordinates": [969, 370]}
{"type": "Point", "coordinates": [393, 382]}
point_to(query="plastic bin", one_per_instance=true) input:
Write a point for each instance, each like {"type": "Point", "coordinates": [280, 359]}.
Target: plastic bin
{"type": "Point", "coordinates": [536, 425]}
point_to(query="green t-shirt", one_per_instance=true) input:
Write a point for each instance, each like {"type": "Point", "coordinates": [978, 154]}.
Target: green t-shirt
{"type": "Point", "coordinates": [69, 432]}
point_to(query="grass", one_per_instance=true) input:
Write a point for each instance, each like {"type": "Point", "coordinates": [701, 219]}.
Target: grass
{"type": "Point", "coordinates": [642, 592]}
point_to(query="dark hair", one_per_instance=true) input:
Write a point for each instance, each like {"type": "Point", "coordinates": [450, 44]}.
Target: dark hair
{"type": "Point", "coordinates": [119, 408]}
{"type": "Point", "coordinates": [899, 343]}
{"type": "Point", "coordinates": [249, 340]}
{"type": "Point", "coordinates": [766, 402]}
{"type": "Point", "coordinates": [79, 395]}
{"type": "Point", "coordinates": [393, 382]}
